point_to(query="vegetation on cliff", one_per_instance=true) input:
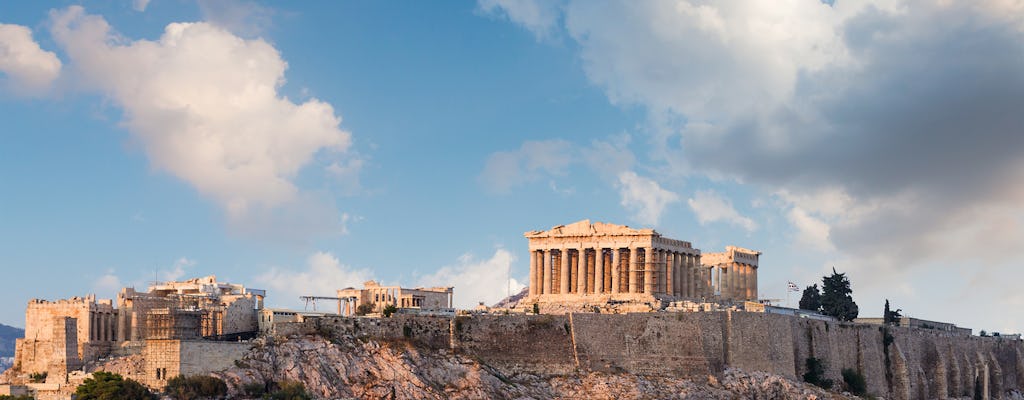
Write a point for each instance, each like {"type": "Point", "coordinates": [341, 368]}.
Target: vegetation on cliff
{"type": "Point", "coordinates": [195, 387]}
{"type": "Point", "coordinates": [835, 298]}
{"type": "Point", "coordinates": [111, 386]}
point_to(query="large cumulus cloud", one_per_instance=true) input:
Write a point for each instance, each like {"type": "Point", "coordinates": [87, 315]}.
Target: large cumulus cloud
{"type": "Point", "coordinates": [204, 105]}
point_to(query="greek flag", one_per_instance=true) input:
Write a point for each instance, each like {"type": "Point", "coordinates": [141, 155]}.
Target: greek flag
{"type": "Point", "coordinates": [793, 287]}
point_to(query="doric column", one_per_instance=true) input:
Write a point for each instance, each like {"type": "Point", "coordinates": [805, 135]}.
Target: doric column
{"type": "Point", "coordinates": [574, 270]}
{"type": "Point", "coordinates": [748, 280]}
{"type": "Point", "coordinates": [670, 273]}
{"type": "Point", "coordinates": [545, 268]}
{"type": "Point", "coordinates": [650, 263]}
{"type": "Point", "coordinates": [616, 270]}
{"type": "Point", "coordinates": [581, 278]}
{"type": "Point", "coordinates": [591, 269]}
{"type": "Point", "coordinates": [737, 281]}
{"type": "Point", "coordinates": [563, 278]}
{"type": "Point", "coordinates": [700, 277]}
{"type": "Point", "coordinates": [685, 276]}
{"type": "Point", "coordinates": [631, 270]}
{"type": "Point", "coordinates": [730, 280]}
{"type": "Point", "coordinates": [718, 281]}
{"type": "Point", "coordinates": [680, 275]}
{"type": "Point", "coordinates": [677, 274]}
{"type": "Point", "coordinates": [598, 270]}
{"type": "Point", "coordinates": [753, 285]}
{"type": "Point", "coordinates": [533, 273]}
{"type": "Point", "coordinates": [689, 275]}
{"type": "Point", "coordinates": [707, 289]}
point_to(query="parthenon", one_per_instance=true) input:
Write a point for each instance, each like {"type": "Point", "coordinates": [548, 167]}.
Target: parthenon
{"type": "Point", "coordinates": [602, 259]}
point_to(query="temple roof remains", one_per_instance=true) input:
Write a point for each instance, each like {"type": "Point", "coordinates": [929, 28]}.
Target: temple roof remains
{"type": "Point", "coordinates": [586, 228]}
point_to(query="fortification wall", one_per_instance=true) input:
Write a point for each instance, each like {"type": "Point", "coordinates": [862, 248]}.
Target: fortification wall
{"type": "Point", "coordinates": [187, 357]}
{"type": "Point", "coordinates": [512, 344]}
{"type": "Point", "coordinates": [667, 344]}
{"type": "Point", "coordinates": [922, 364]}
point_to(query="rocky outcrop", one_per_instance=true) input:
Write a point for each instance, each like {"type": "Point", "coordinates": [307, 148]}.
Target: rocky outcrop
{"type": "Point", "coordinates": [347, 367]}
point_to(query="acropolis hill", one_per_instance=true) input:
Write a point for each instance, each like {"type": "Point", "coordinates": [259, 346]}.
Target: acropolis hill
{"type": "Point", "coordinates": [623, 313]}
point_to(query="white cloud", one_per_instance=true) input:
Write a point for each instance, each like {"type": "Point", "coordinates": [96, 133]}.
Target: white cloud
{"type": "Point", "coordinates": [611, 156]}
{"type": "Point", "coordinates": [706, 61]}
{"type": "Point", "coordinates": [904, 112]}
{"type": "Point", "coordinates": [28, 68]}
{"type": "Point", "coordinates": [107, 286]}
{"type": "Point", "coordinates": [644, 197]}
{"type": "Point", "coordinates": [323, 276]}
{"type": "Point", "coordinates": [177, 270]}
{"type": "Point", "coordinates": [346, 174]}
{"type": "Point", "coordinates": [811, 231]}
{"type": "Point", "coordinates": [140, 5]}
{"type": "Point", "coordinates": [533, 160]}
{"type": "Point", "coordinates": [539, 17]}
{"type": "Point", "coordinates": [204, 104]}
{"type": "Point", "coordinates": [477, 281]}
{"type": "Point", "coordinates": [241, 17]}
{"type": "Point", "coordinates": [710, 207]}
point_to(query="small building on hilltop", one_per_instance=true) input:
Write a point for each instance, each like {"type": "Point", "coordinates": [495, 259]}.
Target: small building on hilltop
{"type": "Point", "coordinates": [377, 297]}
{"type": "Point", "coordinates": [911, 322]}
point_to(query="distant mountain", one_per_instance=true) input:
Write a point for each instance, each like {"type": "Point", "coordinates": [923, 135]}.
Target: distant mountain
{"type": "Point", "coordinates": [512, 300]}
{"type": "Point", "coordinates": [7, 336]}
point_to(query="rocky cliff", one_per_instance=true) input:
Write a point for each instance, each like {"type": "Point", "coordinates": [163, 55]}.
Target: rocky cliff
{"type": "Point", "coordinates": [896, 363]}
{"type": "Point", "coordinates": [350, 367]}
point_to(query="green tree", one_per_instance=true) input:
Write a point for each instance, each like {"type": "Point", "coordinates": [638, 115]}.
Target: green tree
{"type": "Point", "coordinates": [111, 386]}
{"type": "Point", "coordinates": [836, 297]}
{"type": "Point", "coordinates": [811, 299]}
{"type": "Point", "coordinates": [195, 387]}
{"type": "Point", "coordinates": [289, 390]}
{"type": "Point", "coordinates": [890, 317]}
{"type": "Point", "coordinates": [854, 381]}
{"type": "Point", "coordinates": [388, 310]}
{"type": "Point", "coordinates": [815, 374]}
{"type": "Point", "coordinates": [364, 309]}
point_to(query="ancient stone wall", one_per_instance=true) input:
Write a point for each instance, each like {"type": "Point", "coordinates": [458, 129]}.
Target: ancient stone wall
{"type": "Point", "coordinates": [922, 364]}
{"type": "Point", "coordinates": [239, 315]}
{"type": "Point", "coordinates": [166, 359]}
{"type": "Point", "coordinates": [500, 341]}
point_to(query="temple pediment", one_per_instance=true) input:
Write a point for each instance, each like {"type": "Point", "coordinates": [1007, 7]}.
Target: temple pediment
{"type": "Point", "coordinates": [586, 228]}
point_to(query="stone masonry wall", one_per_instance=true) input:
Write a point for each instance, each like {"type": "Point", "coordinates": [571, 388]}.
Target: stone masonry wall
{"type": "Point", "coordinates": [921, 364]}
{"type": "Point", "coordinates": [187, 357]}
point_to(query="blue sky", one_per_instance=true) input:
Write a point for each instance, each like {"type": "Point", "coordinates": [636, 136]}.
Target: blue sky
{"type": "Point", "coordinates": [303, 148]}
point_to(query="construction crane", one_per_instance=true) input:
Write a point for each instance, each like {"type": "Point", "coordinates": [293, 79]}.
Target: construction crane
{"type": "Point", "coordinates": [312, 300]}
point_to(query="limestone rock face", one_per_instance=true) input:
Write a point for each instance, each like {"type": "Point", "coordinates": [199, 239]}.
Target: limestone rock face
{"type": "Point", "coordinates": [350, 368]}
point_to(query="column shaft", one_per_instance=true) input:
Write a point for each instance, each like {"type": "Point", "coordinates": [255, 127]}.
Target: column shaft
{"type": "Point", "coordinates": [563, 278]}
{"type": "Point", "coordinates": [631, 270]}
{"type": "Point", "coordinates": [599, 270]}
{"type": "Point", "coordinates": [718, 280]}
{"type": "Point", "coordinates": [754, 284]}
{"type": "Point", "coordinates": [533, 273]}
{"type": "Point", "coordinates": [581, 279]}
{"type": "Point", "coordinates": [545, 272]}
{"type": "Point", "coordinates": [670, 273]}
{"type": "Point", "coordinates": [616, 270]}
{"type": "Point", "coordinates": [684, 277]}
{"type": "Point", "coordinates": [650, 262]}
